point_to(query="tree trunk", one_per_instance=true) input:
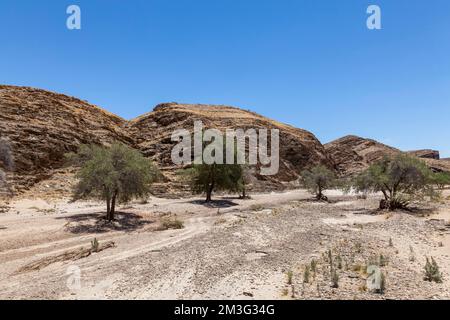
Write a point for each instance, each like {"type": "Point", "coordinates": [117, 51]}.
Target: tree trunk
{"type": "Point", "coordinates": [108, 208]}
{"type": "Point", "coordinates": [209, 192]}
{"type": "Point", "coordinates": [113, 206]}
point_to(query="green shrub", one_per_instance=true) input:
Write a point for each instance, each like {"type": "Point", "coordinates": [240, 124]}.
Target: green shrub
{"type": "Point", "coordinates": [432, 272]}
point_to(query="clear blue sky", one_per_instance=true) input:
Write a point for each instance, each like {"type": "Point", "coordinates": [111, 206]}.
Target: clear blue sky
{"type": "Point", "coordinates": [309, 63]}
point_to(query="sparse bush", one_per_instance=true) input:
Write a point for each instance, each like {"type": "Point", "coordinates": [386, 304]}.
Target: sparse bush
{"type": "Point", "coordinates": [391, 243]}
{"type": "Point", "coordinates": [432, 272]}
{"type": "Point", "coordinates": [168, 223]}
{"type": "Point", "coordinates": [339, 261]}
{"type": "Point", "coordinates": [442, 179]}
{"type": "Point", "coordinates": [115, 174]}
{"type": "Point", "coordinates": [306, 274]}
{"type": "Point", "coordinates": [334, 279]}
{"type": "Point", "coordinates": [313, 266]}
{"type": "Point", "coordinates": [94, 245]}
{"type": "Point", "coordinates": [317, 180]}
{"type": "Point", "coordinates": [256, 207]}
{"type": "Point", "coordinates": [290, 275]}
{"type": "Point", "coordinates": [401, 179]}
{"type": "Point", "coordinates": [383, 261]}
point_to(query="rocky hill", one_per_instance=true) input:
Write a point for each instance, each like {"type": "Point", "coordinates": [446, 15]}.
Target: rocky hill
{"type": "Point", "coordinates": [42, 126]}
{"type": "Point", "coordinates": [352, 154]}
{"type": "Point", "coordinates": [426, 154]}
{"type": "Point", "coordinates": [152, 132]}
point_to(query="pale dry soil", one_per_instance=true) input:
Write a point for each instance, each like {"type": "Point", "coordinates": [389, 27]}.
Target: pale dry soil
{"type": "Point", "coordinates": [234, 249]}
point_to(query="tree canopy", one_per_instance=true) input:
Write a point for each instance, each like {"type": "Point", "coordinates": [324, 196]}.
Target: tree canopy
{"type": "Point", "coordinates": [317, 180]}
{"type": "Point", "coordinates": [401, 179]}
{"type": "Point", "coordinates": [115, 174]}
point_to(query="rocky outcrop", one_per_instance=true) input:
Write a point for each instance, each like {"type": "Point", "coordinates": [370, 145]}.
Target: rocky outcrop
{"type": "Point", "coordinates": [426, 154]}
{"type": "Point", "coordinates": [352, 154]}
{"type": "Point", "coordinates": [42, 126]}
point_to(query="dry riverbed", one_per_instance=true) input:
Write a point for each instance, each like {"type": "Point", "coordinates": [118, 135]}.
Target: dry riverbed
{"type": "Point", "coordinates": [233, 249]}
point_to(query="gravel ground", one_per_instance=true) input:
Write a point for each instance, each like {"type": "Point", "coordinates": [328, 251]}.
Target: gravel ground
{"type": "Point", "coordinates": [235, 249]}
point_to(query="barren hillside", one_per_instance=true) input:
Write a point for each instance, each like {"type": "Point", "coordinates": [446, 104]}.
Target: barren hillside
{"type": "Point", "coordinates": [352, 154]}
{"type": "Point", "coordinates": [42, 126]}
{"type": "Point", "coordinates": [298, 148]}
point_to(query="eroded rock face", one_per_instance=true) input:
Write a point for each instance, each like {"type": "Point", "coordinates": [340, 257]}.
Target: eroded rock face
{"type": "Point", "coordinates": [299, 149]}
{"type": "Point", "coordinates": [352, 154]}
{"type": "Point", "coordinates": [426, 154]}
{"type": "Point", "coordinates": [42, 126]}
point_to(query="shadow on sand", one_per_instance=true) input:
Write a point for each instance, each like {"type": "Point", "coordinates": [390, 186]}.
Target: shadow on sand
{"type": "Point", "coordinates": [96, 223]}
{"type": "Point", "coordinates": [223, 203]}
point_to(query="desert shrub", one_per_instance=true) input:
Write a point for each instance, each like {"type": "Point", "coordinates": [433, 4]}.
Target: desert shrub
{"type": "Point", "coordinates": [306, 274]}
{"type": "Point", "coordinates": [94, 245]}
{"type": "Point", "coordinates": [401, 179]}
{"type": "Point", "coordinates": [334, 279]}
{"type": "Point", "coordinates": [391, 242]}
{"type": "Point", "coordinates": [441, 179]}
{"type": "Point", "coordinates": [313, 266]}
{"type": "Point", "coordinates": [432, 272]}
{"type": "Point", "coordinates": [318, 179]}
{"type": "Point", "coordinates": [290, 275]}
{"type": "Point", "coordinates": [114, 174]}
{"type": "Point", "coordinates": [168, 223]}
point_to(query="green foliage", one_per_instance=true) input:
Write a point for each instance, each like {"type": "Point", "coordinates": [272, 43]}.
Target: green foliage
{"type": "Point", "coordinates": [432, 272]}
{"type": "Point", "coordinates": [317, 180]}
{"type": "Point", "coordinates": [207, 178]}
{"type": "Point", "coordinates": [441, 179]}
{"type": "Point", "coordinates": [290, 275]}
{"type": "Point", "coordinates": [306, 274]}
{"type": "Point", "coordinates": [401, 179]}
{"type": "Point", "coordinates": [115, 173]}
{"type": "Point", "coordinates": [313, 266]}
{"type": "Point", "coordinates": [168, 223]}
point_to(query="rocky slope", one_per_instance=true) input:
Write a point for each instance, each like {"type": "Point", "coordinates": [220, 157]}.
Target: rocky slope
{"type": "Point", "coordinates": [42, 126]}
{"type": "Point", "coordinates": [352, 154]}
{"type": "Point", "coordinates": [298, 148]}
{"type": "Point", "coordinates": [426, 154]}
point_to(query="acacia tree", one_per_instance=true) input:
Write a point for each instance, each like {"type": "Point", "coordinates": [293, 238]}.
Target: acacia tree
{"type": "Point", "coordinates": [247, 176]}
{"type": "Point", "coordinates": [6, 161]}
{"type": "Point", "coordinates": [114, 174]}
{"type": "Point", "coordinates": [401, 179]}
{"type": "Point", "coordinates": [317, 180]}
{"type": "Point", "coordinates": [208, 178]}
